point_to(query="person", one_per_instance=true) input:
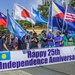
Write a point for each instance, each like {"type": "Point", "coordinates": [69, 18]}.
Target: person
{"type": "Point", "coordinates": [39, 43]}
{"type": "Point", "coordinates": [66, 38]}
{"type": "Point", "coordinates": [9, 42]}
{"type": "Point", "coordinates": [23, 42]}
{"type": "Point", "coordinates": [58, 40]}
{"type": "Point", "coordinates": [44, 41]}
{"type": "Point", "coordinates": [31, 33]}
{"type": "Point", "coordinates": [15, 43]}
{"type": "Point", "coordinates": [20, 44]}
{"type": "Point", "coordinates": [34, 41]}
{"type": "Point", "coordinates": [3, 42]}
{"type": "Point", "coordinates": [50, 38]}
{"type": "Point", "coordinates": [27, 40]}
{"type": "Point", "coordinates": [73, 37]}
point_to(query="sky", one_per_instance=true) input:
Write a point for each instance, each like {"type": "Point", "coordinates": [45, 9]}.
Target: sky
{"type": "Point", "coordinates": [8, 4]}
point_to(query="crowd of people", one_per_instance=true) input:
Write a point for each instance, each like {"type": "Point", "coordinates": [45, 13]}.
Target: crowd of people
{"type": "Point", "coordinates": [33, 41]}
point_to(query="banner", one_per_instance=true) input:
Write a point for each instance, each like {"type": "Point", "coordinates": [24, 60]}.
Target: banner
{"type": "Point", "coordinates": [36, 57]}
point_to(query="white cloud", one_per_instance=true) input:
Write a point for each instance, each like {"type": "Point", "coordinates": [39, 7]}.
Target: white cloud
{"type": "Point", "coordinates": [35, 5]}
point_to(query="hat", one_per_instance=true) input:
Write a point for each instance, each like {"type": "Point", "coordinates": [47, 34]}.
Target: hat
{"type": "Point", "coordinates": [50, 29]}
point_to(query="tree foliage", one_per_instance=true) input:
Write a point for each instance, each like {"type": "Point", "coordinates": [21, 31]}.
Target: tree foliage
{"type": "Point", "coordinates": [24, 23]}
{"type": "Point", "coordinates": [44, 8]}
{"type": "Point", "coordinates": [72, 2]}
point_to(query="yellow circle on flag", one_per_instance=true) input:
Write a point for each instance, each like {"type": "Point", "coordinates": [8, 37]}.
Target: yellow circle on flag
{"type": "Point", "coordinates": [56, 9]}
{"type": "Point", "coordinates": [4, 56]}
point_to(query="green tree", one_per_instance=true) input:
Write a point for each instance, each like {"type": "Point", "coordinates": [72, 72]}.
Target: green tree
{"type": "Point", "coordinates": [24, 23]}
{"type": "Point", "coordinates": [3, 30]}
{"type": "Point", "coordinates": [72, 2]}
{"type": "Point", "coordinates": [44, 8]}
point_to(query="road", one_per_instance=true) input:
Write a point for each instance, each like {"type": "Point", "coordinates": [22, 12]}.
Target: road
{"type": "Point", "coordinates": [58, 69]}
{"type": "Point", "coordinates": [32, 71]}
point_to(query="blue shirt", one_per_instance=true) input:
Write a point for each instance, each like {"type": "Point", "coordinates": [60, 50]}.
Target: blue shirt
{"type": "Point", "coordinates": [2, 41]}
{"type": "Point", "coordinates": [50, 42]}
{"type": "Point", "coordinates": [44, 43]}
{"type": "Point", "coordinates": [58, 44]}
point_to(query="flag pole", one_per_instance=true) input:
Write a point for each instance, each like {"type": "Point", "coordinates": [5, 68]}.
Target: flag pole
{"type": "Point", "coordinates": [64, 17]}
{"type": "Point", "coordinates": [48, 22]}
{"type": "Point", "coordinates": [51, 17]}
{"type": "Point", "coordinates": [50, 14]}
{"type": "Point", "coordinates": [31, 22]}
{"type": "Point", "coordinates": [32, 27]}
{"type": "Point", "coordinates": [7, 17]}
{"type": "Point", "coordinates": [13, 8]}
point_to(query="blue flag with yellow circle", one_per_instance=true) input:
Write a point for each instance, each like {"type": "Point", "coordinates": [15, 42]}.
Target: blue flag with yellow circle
{"type": "Point", "coordinates": [15, 28]}
{"type": "Point", "coordinates": [4, 56]}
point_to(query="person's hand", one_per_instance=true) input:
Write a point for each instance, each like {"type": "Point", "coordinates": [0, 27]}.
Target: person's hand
{"type": "Point", "coordinates": [35, 40]}
{"type": "Point", "coordinates": [32, 40]}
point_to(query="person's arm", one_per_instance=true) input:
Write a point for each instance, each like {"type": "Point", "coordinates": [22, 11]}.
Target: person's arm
{"type": "Point", "coordinates": [62, 42]}
{"type": "Point", "coordinates": [34, 31]}
{"type": "Point", "coordinates": [32, 39]}
{"type": "Point", "coordinates": [44, 38]}
{"type": "Point", "coordinates": [36, 40]}
{"type": "Point", "coordinates": [58, 40]}
{"type": "Point", "coordinates": [51, 38]}
{"type": "Point", "coordinates": [5, 46]}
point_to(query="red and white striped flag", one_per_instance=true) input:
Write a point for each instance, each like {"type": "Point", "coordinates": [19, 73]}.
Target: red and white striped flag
{"type": "Point", "coordinates": [70, 17]}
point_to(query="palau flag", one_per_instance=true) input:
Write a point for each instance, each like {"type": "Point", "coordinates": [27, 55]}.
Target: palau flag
{"type": "Point", "coordinates": [5, 56]}
{"type": "Point", "coordinates": [15, 28]}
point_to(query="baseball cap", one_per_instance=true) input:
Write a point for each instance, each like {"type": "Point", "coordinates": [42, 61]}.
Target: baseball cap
{"type": "Point", "coordinates": [50, 29]}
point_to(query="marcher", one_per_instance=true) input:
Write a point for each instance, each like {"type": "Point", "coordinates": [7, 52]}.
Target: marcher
{"type": "Point", "coordinates": [3, 42]}
{"type": "Point", "coordinates": [66, 38]}
{"type": "Point", "coordinates": [58, 40]}
{"type": "Point", "coordinates": [50, 38]}
{"type": "Point", "coordinates": [44, 41]}
{"type": "Point", "coordinates": [27, 40]}
{"type": "Point", "coordinates": [34, 41]}
{"type": "Point", "coordinates": [73, 37]}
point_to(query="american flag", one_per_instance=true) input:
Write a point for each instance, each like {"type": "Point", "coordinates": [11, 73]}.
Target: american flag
{"type": "Point", "coordinates": [70, 14]}
{"type": "Point", "coordinates": [70, 17]}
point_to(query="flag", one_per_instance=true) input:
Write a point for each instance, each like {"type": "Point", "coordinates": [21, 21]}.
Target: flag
{"type": "Point", "coordinates": [21, 13]}
{"type": "Point", "coordinates": [38, 18]}
{"type": "Point", "coordinates": [70, 18]}
{"type": "Point", "coordinates": [57, 16]}
{"type": "Point", "coordinates": [5, 56]}
{"type": "Point", "coordinates": [3, 21]}
{"type": "Point", "coordinates": [15, 28]}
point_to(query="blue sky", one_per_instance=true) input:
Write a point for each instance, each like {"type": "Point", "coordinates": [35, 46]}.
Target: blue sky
{"type": "Point", "coordinates": [8, 4]}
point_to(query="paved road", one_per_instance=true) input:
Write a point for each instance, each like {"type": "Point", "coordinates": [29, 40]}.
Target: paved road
{"type": "Point", "coordinates": [60, 69]}
{"type": "Point", "coordinates": [32, 71]}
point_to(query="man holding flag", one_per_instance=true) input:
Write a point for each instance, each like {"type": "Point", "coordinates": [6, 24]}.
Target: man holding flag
{"type": "Point", "coordinates": [16, 30]}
